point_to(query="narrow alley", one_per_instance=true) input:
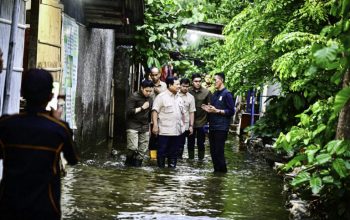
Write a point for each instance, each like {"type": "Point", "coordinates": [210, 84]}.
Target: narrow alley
{"type": "Point", "coordinates": [103, 188]}
{"type": "Point", "coordinates": [174, 109]}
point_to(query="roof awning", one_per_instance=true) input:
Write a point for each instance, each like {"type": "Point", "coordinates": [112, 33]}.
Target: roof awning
{"type": "Point", "coordinates": [206, 27]}
{"type": "Point", "coordinates": [114, 14]}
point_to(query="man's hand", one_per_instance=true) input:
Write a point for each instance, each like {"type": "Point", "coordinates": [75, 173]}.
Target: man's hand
{"type": "Point", "coordinates": [155, 130]}
{"type": "Point", "coordinates": [156, 89]}
{"type": "Point", "coordinates": [209, 108]}
{"type": "Point", "coordinates": [145, 105]}
{"type": "Point", "coordinates": [191, 130]}
{"type": "Point", "coordinates": [57, 113]}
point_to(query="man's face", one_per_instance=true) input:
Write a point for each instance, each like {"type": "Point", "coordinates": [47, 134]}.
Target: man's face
{"type": "Point", "coordinates": [184, 88]}
{"type": "Point", "coordinates": [147, 91]}
{"type": "Point", "coordinates": [218, 82]}
{"type": "Point", "coordinates": [197, 83]}
{"type": "Point", "coordinates": [175, 87]}
{"type": "Point", "coordinates": [155, 75]}
{"type": "Point", "coordinates": [207, 79]}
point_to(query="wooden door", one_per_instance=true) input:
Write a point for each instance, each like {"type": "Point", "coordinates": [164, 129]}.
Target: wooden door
{"type": "Point", "coordinates": [45, 40]}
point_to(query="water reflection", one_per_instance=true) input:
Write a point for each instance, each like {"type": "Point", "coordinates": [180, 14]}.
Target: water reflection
{"type": "Point", "coordinates": [105, 189]}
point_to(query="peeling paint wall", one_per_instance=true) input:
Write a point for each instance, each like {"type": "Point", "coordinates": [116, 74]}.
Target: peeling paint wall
{"type": "Point", "coordinates": [93, 98]}
{"type": "Point", "coordinates": [121, 92]}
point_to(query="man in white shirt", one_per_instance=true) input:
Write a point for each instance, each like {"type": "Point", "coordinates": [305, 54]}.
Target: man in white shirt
{"type": "Point", "coordinates": [189, 108]}
{"type": "Point", "coordinates": [159, 87]}
{"type": "Point", "coordinates": [168, 123]}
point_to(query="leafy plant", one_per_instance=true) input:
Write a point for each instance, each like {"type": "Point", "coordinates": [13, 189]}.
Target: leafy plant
{"type": "Point", "coordinates": [163, 29]}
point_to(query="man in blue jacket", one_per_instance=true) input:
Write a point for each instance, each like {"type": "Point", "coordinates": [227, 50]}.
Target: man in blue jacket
{"type": "Point", "coordinates": [220, 111]}
{"type": "Point", "coordinates": [30, 145]}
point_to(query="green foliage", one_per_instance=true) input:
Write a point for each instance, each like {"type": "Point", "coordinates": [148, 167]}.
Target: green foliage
{"type": "Point", "coordinates": [163, 28]}
{"type": "Point", "coordinates": [323, 163]}
{"type": "Point", "coordinates": [221, 11]}
{"type": "Point", "coordinates": [303, 46]}
{"type": "Point", "coordinates": [341, 99]}
{"type": "Point", "coordinates": [313, 130]}
{"type": "Point", "coordinates": [279, 116]}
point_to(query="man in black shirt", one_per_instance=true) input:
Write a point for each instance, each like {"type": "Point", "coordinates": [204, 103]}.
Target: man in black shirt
{"type": "Point", "coordinates": [138, 119]}
{"type": "Point", "coordinates": [220, 112]}
{"type": "Point", "coordinates": [30, 146]}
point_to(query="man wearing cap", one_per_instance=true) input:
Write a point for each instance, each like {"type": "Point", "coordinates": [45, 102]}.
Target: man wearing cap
{"type": "Point", "coordinates": [30, 145]}
{"type": "Point", "coordinates": [220, 111]}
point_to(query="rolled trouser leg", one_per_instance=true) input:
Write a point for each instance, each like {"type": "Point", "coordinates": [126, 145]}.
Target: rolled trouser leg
{"type": "Point", "coordinates": [132, 146]}
{"type": "Point", "coordinates": [142, 148]}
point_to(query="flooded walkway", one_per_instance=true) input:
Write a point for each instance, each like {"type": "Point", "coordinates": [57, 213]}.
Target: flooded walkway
{"type": "Point", "coordinates": [105, 189]}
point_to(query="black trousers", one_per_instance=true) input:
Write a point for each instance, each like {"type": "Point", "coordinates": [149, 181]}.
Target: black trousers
{"type": "Point", "coordinates": [217, 150]}
{"type": "Point", "coordinates": [153, 141]}
{"type": "Point", "coordinates": [200, 135]}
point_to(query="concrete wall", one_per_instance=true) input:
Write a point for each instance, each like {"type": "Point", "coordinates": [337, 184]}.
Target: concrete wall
{"type": "Point", "coordinates": [95, 72]}
{"type": "Point", "coordinates": [269, 90]}
{"type": "Point", "coordinates": [121, 91]}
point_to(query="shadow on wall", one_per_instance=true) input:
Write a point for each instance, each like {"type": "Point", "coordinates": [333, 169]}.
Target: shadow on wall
{"type": "Point", "coordinates": [95, 72]}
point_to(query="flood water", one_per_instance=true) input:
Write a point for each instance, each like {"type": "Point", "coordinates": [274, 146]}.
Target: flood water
{"type": "Point", "coordinates": [103, 188]}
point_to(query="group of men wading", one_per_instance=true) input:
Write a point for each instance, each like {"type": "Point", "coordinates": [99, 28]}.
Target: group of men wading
{"type": "Point", "coordinates": [31, 142]}
{"type": "Point", "coordinates": [178, 111]}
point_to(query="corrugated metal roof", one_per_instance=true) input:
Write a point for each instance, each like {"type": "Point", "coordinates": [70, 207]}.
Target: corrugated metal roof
{"type": "Point", "coordinates": [114, 14]}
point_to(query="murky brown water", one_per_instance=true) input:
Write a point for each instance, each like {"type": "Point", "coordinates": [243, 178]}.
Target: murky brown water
{"type": "Point", "coordinates": [104, 189]}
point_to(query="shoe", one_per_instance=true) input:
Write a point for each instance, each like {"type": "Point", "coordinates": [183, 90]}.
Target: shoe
{"type": "Point", "coordinates": [220, 170]}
